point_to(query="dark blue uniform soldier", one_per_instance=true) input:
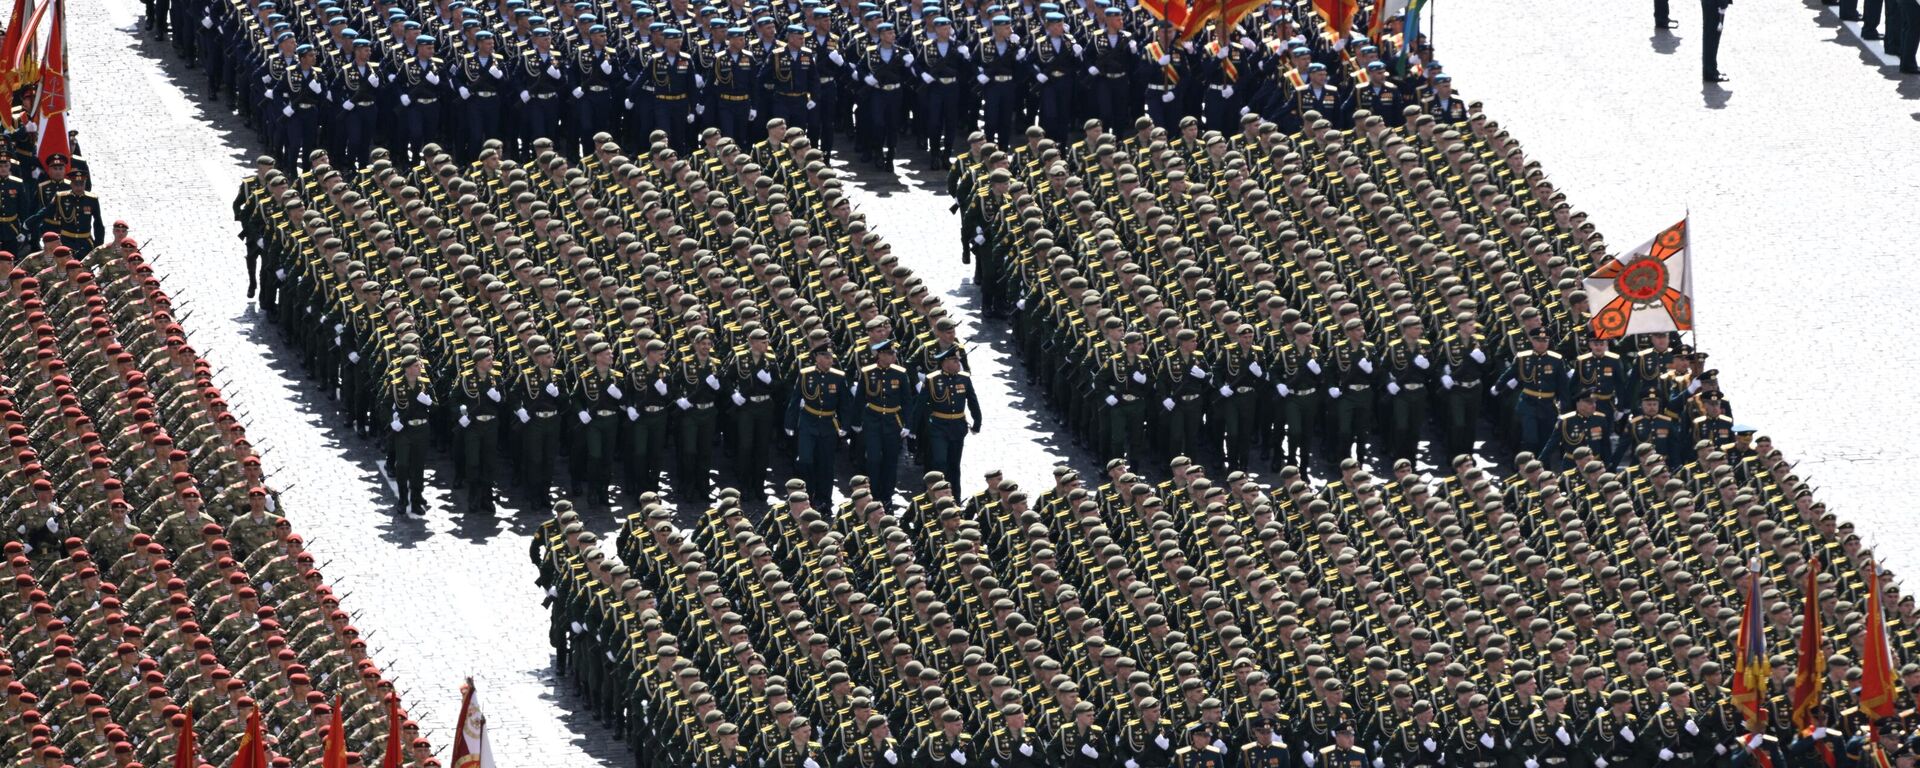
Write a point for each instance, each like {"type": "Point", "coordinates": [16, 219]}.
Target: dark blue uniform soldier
{"type": "Point", "coordinates": [1537, 374]}
{"type": "Point", "coordinates": [1200, 751]}
{"type": "Point", "coordinates": [947, 399]}
{"type": "Point", "coordinates": [881, 398]}
{"type": "Point", "coordinates": [422, 84]}
{"type": "Point", "coordinates": [359, 91]}
{"type": "Point", "coordinates": [788, 79]}
{"type": "Point", "coordinates": [672, 82]}
{"type": "Point", "coordinates": [832, 70]}
{"type": "Point", "coordinates": [485, 79]}
{"type": "Point", "coordinates": [1265, 749]}
{"type": "Point", "coordinates": [1227, 70]}
{"type": "Point", "coordinates": [1056, 62]}
{"type": "Point", "coordinates": [1164, 67]}
{"type": "Point", "coordinates": [732, 78]}
{"type": "Point", "coordinates": [1002, 64]}
{"type": "Point", "coordinates": [1651, 426]}
{"type": "Point", "coordinates": [598, 82]}
{"type": "Point", "coordinates": [946, 67]}
{"type": "Point", "coordinates": [887, 71]}
{"type": "Point", "coordinates": [543, 83]}
{"type": "Point", "coordinates": [820, 394]}
{"type": "Point", "coordinates": [1378, 96]}
{"type": "Point", "coordinates": [1605, 374]}
{"type": "Point", "coordinates": [303, 92]}
{"type": "Point", "coordinates": [1583, 427]}
{"type": "Point", "coordinates": [1112, 56]}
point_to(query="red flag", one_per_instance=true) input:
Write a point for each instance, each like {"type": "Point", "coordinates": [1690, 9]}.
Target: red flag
{"type": "Point", "coordinates": [253, 744]}
{"type": "Point", "coordinates": [1173, 12]}
{"type": "Point", "coordinates": [1338, 14]}
{"type": "Point", "coordinates": [1877, 687]}
{"type": "Point", "coordinates": [1811, 659]}
{"type": "Point", "coordinates": [11, 78]}
{"type": "Point", "coordinates": [1750, 655]}
{"type": "Point", "coordinates": [1377, 20]}
{"type": "Point", "coordinates": [335, 755]}
{"type": "Point", "coordinates": [183, 754]}
{"type": "Point", "coordinates": [52, 104]}
{"type": "Point", "coordinates": [1198, 12]}
{"type": "Point", "coordinates": [394, 756]}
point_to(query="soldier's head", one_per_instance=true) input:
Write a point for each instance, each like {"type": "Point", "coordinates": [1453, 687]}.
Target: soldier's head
{"type": "Point", "coordinates": [1539, 338]}
{"type": "Point", "coordinates": [306, 54]}
{"type": "Point", "coordinates": [424, 46]}
{"type": "Point", "coordinates": [1443, 85]}
{"type": "Point", "coordinates": [1200, 735]}
{"type": "Point", "coordinates": [1586, 402]}
{"type": "Point", "coordinates": [942, 28]}
{"type": "Point", "coordinates": [1343, 734]}
{"type": "Point", "coordinates": [736, 38]}
{"type": "Point", "coordinates": [1650, 403]}
{"type": "Point", "coordinates": [823, 356]}
{"type": "Point", "coordinates": [1411, 328]}
{"type": "Point", "coordinates": [483, 43]}
{"type": "Point", "coordinates": [886, 33]}
{"type": "Point", "coordinates": [1002, 27]}
{"type": "Point", "coordinates": [796, 36]}
{"type": "Point", "coordinates": [1056, 23]}
{"type": "Point", "coordinates": [1317, 73]}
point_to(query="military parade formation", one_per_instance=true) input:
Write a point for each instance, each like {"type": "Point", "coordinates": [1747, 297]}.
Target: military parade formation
{"type": "Point", "coordinates": [153, 584]}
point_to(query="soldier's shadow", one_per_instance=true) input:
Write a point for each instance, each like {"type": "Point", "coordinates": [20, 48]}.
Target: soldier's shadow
{"type": "Point", "coordinates": [1664, 42]}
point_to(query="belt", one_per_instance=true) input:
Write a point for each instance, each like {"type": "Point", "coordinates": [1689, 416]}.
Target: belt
{"type": "Point", "coordinates": [304, 105]}
{"type": "Point", "coordinates": [545, 414]}
{"type": "Point", "coordinates": [1306, 391]}
{"type": "Point", "coordinates": [1159, 87]}
{"type": "Point", "coordinates": [946, 80]}
{"type": "Point", "coordinates": [817, 412]}
{"type": "Point", "coordinates": [76, 235]}
{"type": "Point", "coordinates": [702, 406]}
{"type": "Point", "coordinates": [426, 100]}
{"type": "Point", "coordinates": [889, 86]}
{"type": "Point", "coordinates": [883, 409]}
{"type": "Point", "coordinates": [603, 413]}
{"type": "Point", "coordinates": [484, 417]}
{"type": "Point", "coordinates": [1129, 398]}
{"type": "Point", "coordinates": [758, 398]}
{"type": "Point", "coordinates": [1474, 383]}
{"type": "Point", "coordinates": [949, 416]}
{"type": "Point", "coordinates": [1242, 390]}
{"type": "Point", "coordinates": [416, 422]}
{"type": "Point", "coordinates": [1003, 78]}
{"type": "Point", "coordinates": [1540, 393]}
{"type": "Point", "coordinates": [545, 95]}
{"type": "Point", "coordinates": [669, 96]}
{"type": "Point", "coordinates": [359, 103]}
{"type": "Point", "coordinates": [8, 219]}
{"type": "Point", "coordinates": [734, 97]}
{"type": "Point", "coordinates": [1359, 387]}
{"type": "Point", "coordinates": [1189, 398]}
{"type": "Point", "coordinates": [794, 94]}
{"type": "Point", "coordinates": [597, 88]}
{"type": "Point", "coordinates": [1413, 386]}
{"type": "Point", "coordinates": [1604, 396]}
{"type": "Point", "coordinates": [825, 80]}
{"type": "Point", "coordinates": [1114, 75]}
{"type": "Point", "coordinates": [654, 408]}
{"type": "Point", "coordinates": [1219, 87]}
{"type": "Point", "coordinates": [486, 94]}
{"type": "Point", "coordinates": [1057, 74]}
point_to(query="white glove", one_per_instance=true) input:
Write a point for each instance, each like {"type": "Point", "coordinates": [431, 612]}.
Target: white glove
{"type": "Point", "coordinates": [553, 389]}
{"type": "Point", "coordinates": [313, 85]}
{"type": "Point", "coordinates": [1486, 740]}
{"type": "Point", "coordinates": [433, 77]}
{"type": "Point", "coordinates": [606, 66]}
{"type": "Point", "coordinates": [578, 92]}
{"type": "Point", "coordinates": [713, 382]}
{"type": "Point", "coordinates": [522, 414]}
{"type": "Point", "coordinates": [1393, 388]}
{"type": "Point", "coordinates": [1042, 77]}
{"type": "Point", "coordinates": [1249, 44]}
{"type": "Point", "coordinates": [1282, 389]}
{"type": "Point", "coordinates": [836, 58]}
{"type": "Point", "coordinates": [396, 424]}
{"type": "Point", "coordinates": [493, 70]}
{"type": "Point", "coordinates": [1334, 392]}
{"type": "Point", "coordinates": [265, 79]}
{"type": "Point", "coordinates": [524, 97]}
{"type": "Point", "coordinates": [1627, 733]}
{"type": "Point", "coordinates": [964, 53]}
{"type": "Point", "coordinates": [1446, 381]}
{"type": "Point", "coordinates": [1562, 735]}
{"type": "Point", "coordinates": [423, 398]}
{"type": "Point", "coordinates": [1095, 71]}
{"type": "Point", "coordinates": [1078, 51]}
{"type": "Point", "coordinates": [1313, 365]}
{"type": "Point", "coordinates": [346, 104]}
{"type": "Point", "coordinates": [633, 414]}
{"type": "Point", "coordinates": [1163, 60]}
{"type": "Point", "coordinates": [1227, 92]}
{"type": "Point", "coordinates": [763, 376]}
{"type": "Point", "coordinates": [1161, 741]}
{"type": "Point", "coordinates": [810, 763]}
{"type": "Point", "coordinates": [1167, 403]}
{"type": "Point", "coordinates": [1340, 45]}
{"type": "Point", "coordinates": [353, 357]}
{"type": "Point", "coordinates": [586, 418]}
{"type": "Point", "coordinates": [553, 71]}
{"type": "Point", "coordinates": [1428, 744]}
{"type": "Point", "coordinates": [1379, 762]}
{"type": "Point", "coordinates": [1366, 365]}
{"type": "Point", "coordinates": [738, 399]}
{"type": "Point", "coordinates": [1139, 377]}
{"type": "Point", "coordinates": [1221, 52]}
{"type": "Point", "coordinates": [53, 526]}
{"type": "Point", "coordinates": [908, 58]}
{"type": "Point", "coordinates": [1421, 361]}
{"type": "Point", "coordinates": [1309, 758]}
{"type": "Point", "coordinates": [1167, 97]}
{"type": "Point", "coordinates": [692, 117]}
{"type": "Point", "coordinates": [1494, 390]}
{"type": "Point", "coordinates": [1695, 730]}
{"type": "Point", "coordinates": [789, 433]}
{"type": "Point", "coordinates": [493, 394]}
{"type": "Point", "coordinates": [629, 103]}
{"type": "Point", "coordinates": [1818, 733]}
{"type": "Point", "coordinates": [1130, 763]}
{"type": "Point", "coordinates": [1089, 751]}
{"type": "Point", "coordinates": [979, 239]}
{"type": "Point", "coordinates": [871, 80]}
{"type": "Point", "coordinates": [1197, 372]}
{"type": "Point", "coordinates": [1719, 749]}
{"type": "Point", "coordinates": [905, 433]}
{"type": "Point", "coordinates": [373, 78]}
{"type": "Point", "coordinates": [926, 78]}
{"type": "Point", "coordinates": [405, 100]}
{"type": "Point", "coordinates": [981, 79]}
{"type": "Point", "coordinates": [660, 386]}
{"type": "Point", "coordinates": [287, 110]}
{"type": "Point", "coordinates": [891, 757]}
{"type": "Point", "coordinates": [752, 114]}
{"type": "Point", "coordinates": [1531, 763]}
{"type": "Point", "coordinates": [1478, 356]}
{"type": "Point", "coordinates": [683, 403]}
{"type": "Point", "coordinates": [280, 273]}
{"type": "Point", "coordinates": [1599, 762]}
{"type": "Point", "coordinates": [613, 391]}
{"type": "Point", "coordinates": [1226, 391]}
{"type": "Point", "coordinates": [1693, 386]}
{"type": "Point", "coordinates": [1666, 754]}
{"type": "Point", "coordinates": [810, 104]}
{"type": "Point", "coordinates": [464, 421]}
{"type": "Point", "coordinates": [959, 757]}
{"type": "Point", "coordinates": [1111, 400]}
{"type": "Point", "coordinates": [1255, 367]}
{"type": "Point", "coordinates": [206, 22]}
{"type": "Point", "coordinates": [1513, 383]}
{"type": "Point", "coordinates": [857, 429]}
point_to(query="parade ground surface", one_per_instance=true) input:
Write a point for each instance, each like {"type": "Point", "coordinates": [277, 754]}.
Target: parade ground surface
{"type": "Point", "coordinates": [1800, 175]}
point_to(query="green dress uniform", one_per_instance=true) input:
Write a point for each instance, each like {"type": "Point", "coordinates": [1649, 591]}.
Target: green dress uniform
{"type": "Point", "coordinates": [1660, 430]}
{"type": "Point", "coordinates": [1183, 386]}
{"type": "Point", "coordinates": [1538, 377]}
{"type": "Point", "coordinates": [1548, 740]}
{"type": "Point", "coordinates": [1463, 371]}
{"type": "Point", "coordinates": [1008, 749]}
{"type": "Point", "coordinates": [478, 399]}
{"type": "Point", "coordinates": [412, 413]}
{"type": "Point", "coordinates": [1204, 757]}
{"type": "Point", "coordinates": [1478, 744]}
{"type": "Point", "coordinates": [1610, 737]}
{"type": "Point", "coordinates": [1333, 756]}
{"type": "Point", "coordinates": [1354, 372]}
{"type": "Point", "coordinates": [1410, 373]}
{"type": "Point", "coordinates": [939, 749]}
{"type": "Point", "coordinates": [75, 215]}
{"type": "Point", "coordinates": [537, 403]}
{"type": "Point", "coordinates": [1296, 372]}
{"type": "Point", "coordinates": [947, 400]}
{"type": "Point", "coordinates": [1604, 374]}
{"type": "Point", "coordinates": [1574, 431]}
{"type": "Point", "coordinates": [1240, 371]}
{"type": "Point", "coordinates": [648, 405]}
{"type": "Point", "coordinates": [696, 389]}
{"type": "Point", "coordinates": [596, 406]}
{"type": "Point", "coordinates": [881, 397]}
{"type": "Point", "coordinates": [813, 419]}
{"type": "Point", "coordinates": [757, 383]}
{"type": "Point", "coordinates": [1128, 380]}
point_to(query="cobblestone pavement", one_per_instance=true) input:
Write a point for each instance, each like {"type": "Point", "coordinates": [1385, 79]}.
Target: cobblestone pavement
{"type": "Point", "coordinates": [1789, 171]}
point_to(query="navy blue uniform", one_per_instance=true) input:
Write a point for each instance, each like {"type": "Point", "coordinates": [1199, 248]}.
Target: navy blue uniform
{"type": "Point", "coordinates": [1056, 63]}
{"type": "Point", "coordinates": [947, 400]}
{"type": "Point", "coordinates": [732, 84]}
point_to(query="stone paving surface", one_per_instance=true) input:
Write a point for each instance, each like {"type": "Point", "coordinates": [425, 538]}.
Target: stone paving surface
{"type": "Point", "coordinates": [1801, 175]}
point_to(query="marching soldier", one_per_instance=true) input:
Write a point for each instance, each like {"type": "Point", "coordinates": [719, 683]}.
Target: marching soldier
{"type": "Point", "coordinates": [948, 399]}
{"type": "Point", "coordinates": [1318, 96]}
{"type": "Point", "coordinates": [757, 382]}
{"type": "Point", "coordinates": [950, 746]}
{"type": "Point", "coordinates": [727, 751]}
{"type": "Point", "coordinates": [485, 81]}
{"type": "Point", "coordinates": [1082, 743]}
{"type": "Point", "coordinates": [1351, 379]}
{"type": "Point", "coordinates": [543, 84]}
{"type": "Point", "coordinates": [1547, 737]}
{"type": "Point", "coordinates": [1463, 369]}
{"type": "Point", "coordinates": [881, 395]}
{"type": "Point", "coordinates": [1201, 751]}
{"type": "Point", "coordinates": [672, 84]}
{"type": "Point", "coordinates": [1419, 742]}
{"type": "Point", "coordinates": [16, 201]}
{"type": "Point", "coordinates": [1002, 67]}
{"type": "Point", "coordinates": [1537, 375]}
{"type": "Point", "coordinates": [1148, 740]}
{"type": "Point", "coordinates": [358, 86]}
{"type": "Point", "coordinates": [820, 397]}
{"type": "Point", "coordinates": [1674, 734]}
{"type": "Point", "coordinates": [946, 67]}
{"type": "Point", "coordinates": [1410, 368]}
{"type": "Point", "coordinates": [1651, 426]}
{"type": "Point", "coordinates": [1112, 57]}
{"type": "Point", "coordinates": [1129, 386]}
{"type": "Point", "coordinates": [412, 412]}
{"type": "Point", "coordinates": [303, 93]}
{"type": "Point", "coordinates": [1584, 427]}
{"type": "Point", "coordinates": [788, 77]}
{"type": "Point", "coordinates": [1240, 374]}
{"type": "Point", "coordinates": [733, 75]}
{"type": "Point", "coordinates": [648, 405]}
{"type": "Point", "coordinates": [1608, 741]}
{"type": "Point", "coordinates": [886, 69]}
{"type": "Point", "coordinates": [422, 85]}
{"type": "Point", "coordinates": [1342, 753]}
{"type": "Point", "coordinates": [799, 750]}
{"type": "Point", "coordinates": [1478, 741]}
{"type": "Point", "coordinates": [1265, 749]}
{"type": "Point", "coordinates": [1602, 372]}
{"type": "Point", "coordinates": [696, 391]}
{"type": "Point", "coordinates": [1297, 380]}
{"type": "Point", "coordinates": [596, 405]}
{"type": "Point", "coordinates": [877, 748]}
{"type": "Point", "coordinates": [1183, 385]}
{"type": "Point", "coordinates": [537, 402]}
{"type": "Point", "coordinates": [1013, 743]}
{"type": "Point", "coordinates": [598, 83]}
{"type": "Point", "coordinates": [478, 398]}
{"type": "Point", "coordinates": [1056, 62]}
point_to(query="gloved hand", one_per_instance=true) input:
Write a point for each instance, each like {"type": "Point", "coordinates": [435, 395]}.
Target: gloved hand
{"type": "Point", "coordinates": [525, 97]}
{"type": "Point", "coordinates": [493, 394]}
{"type": "Point", "coordinates": [287, 110]}
{"type": "Point", "coordinates": [1167, 97]}
{"type": "Point", "coordinates": [683, 403]}
{"type": "Point", "coordinates": [1197, 372]}
{"type": "Point", "coordinates": [810, 104]}
{"type": "Point", "coordinates": [423, 398]}
{"type": "Point", "coordinates": [553, 71]}
{"type": "Point", "coordinates": [737, 398]}
{"type": "Point", "coordinates": [464, 93]}
{"type": "Point", "coordinates": [1393, 388]}
{"type": "Point", "coordinates": [1446, 382]}
{"type": "Point", "coordinates": [313, 85]}
{"type": "Point", "coordinates": [1421, 361]}
{"type": "Point", "coordinates": [521, 413]}
{"type": "Point", "coordinates": [1111, 400]}
{"type": "Point", "coordinates": [1095, 71]}
{"type": "Point", "coordinates": [835, 57]}
{"type": "Point", "coordinates": [1366, 365]}
{"type": "Point", "coordinates": [1255, 367]}
{"type": "Point", "coordinates": [586, 418]}
{"type": "Point", "coordinates": [660, 386]}
{"type": "Point", "coordinates": [713, 382]}
{"type": "Point", "coordinates": [981, 79]}
{"type": "Point", "coordinates": [1164, 60]}
{"type": "Point", "coordinates": [871, 81]}
{"type": "Point", "coordinates": [1335, 392]}
{"type": "Point", "coordinates": [691, 117]}
{"type": "Point", "coordinates": [396, 425]}
{"type": "Point", "coordinates": [1221, 53]}
{"type": "Point", "coordinates": [926, 78]}
{"type": "Point", "coordinates": [613, 391]}
{"type": "Point", "coordinates": [464, 421]}
{"type": "Point", "coordinates": [789, 433]}
{"type": "Point", "coordinates": [1227, 92]}
{"type": "Point", "coordinates": [495, 71]}
{"type": "Point", "coordinates": [1486, 740]}
{"type": "Point", "coordinates": [633, 414]}
{"type": "Point", "coordinates": [606, 66]}
{"type": "Point", "coordinates": [578, 92]}
{"type": "Point", "coordinates": [1283, 390]}
{"type": "Point", "coordinates": [553, 389]}
{"type": "Point", "coordinates": [1478, 356]}
{"type": "Point", "coordinates": [1666, 754]}
{"type": "Point", "coordinates": [1139, 377]}
{"type": "Point", "coordinates": [1226, 391]}
{"type": "Point", "coordinates": [1313, 365]}
{"type": "Point", "coordinates": [1167, 403]}
{"type": "Point", "coordinates": [353, 357]}
{"type": "Point", "coordinates": [905, 433]}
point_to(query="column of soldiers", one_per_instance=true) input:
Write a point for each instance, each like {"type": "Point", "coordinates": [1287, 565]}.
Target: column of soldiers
{"type": "Point", "coordinates": [349, 76]}
{"type": "Point", "coordinates": [149, 579]}
{"type": "Point", "coordinates": [1316, 296]}
{"type": "Point", "coordinates": [1570, 618]}
{"type": "Point", "coordinates": [623, 318]}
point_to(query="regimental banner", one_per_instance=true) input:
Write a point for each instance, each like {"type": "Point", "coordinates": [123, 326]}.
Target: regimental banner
{"type": "Point", "coordinates": [1646, 290]}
